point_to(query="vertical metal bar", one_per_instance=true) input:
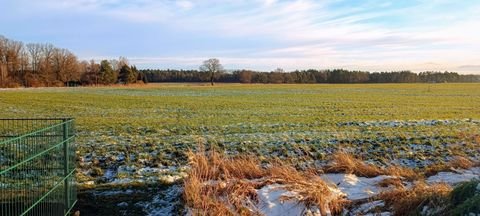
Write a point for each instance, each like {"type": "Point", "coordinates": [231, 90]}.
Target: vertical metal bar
{"type": "Point", "coordinates": [65, 165]}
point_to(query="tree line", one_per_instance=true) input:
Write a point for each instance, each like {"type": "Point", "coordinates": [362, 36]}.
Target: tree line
{"type": "Point", "coordinates": [307, 76]}
{"type": "Point", "coordinates": [43, 64]}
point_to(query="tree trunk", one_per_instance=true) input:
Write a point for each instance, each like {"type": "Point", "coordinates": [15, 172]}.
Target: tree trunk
{"type": "Point", "coordinates": [211, 78]}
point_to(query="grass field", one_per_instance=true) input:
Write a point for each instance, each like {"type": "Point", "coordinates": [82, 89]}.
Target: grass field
{"type": "Point", "coordinates": [143, 132]}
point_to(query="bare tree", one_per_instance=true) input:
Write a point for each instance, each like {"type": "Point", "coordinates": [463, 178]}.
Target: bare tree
{"type": "Point", "coordinates": [65, 65]}
{"type": "Point", "coordinates": [24, 59]}
{"type": "Point", "coordinates": [72, 67]}
{"type": "Point", "coordinates": [279, 70]}
{"type": "Point", "coordinates": [213, 67]}
{"type": "Point", "coordinates": [35, 51]}
{"type": "Point", "coordinates": [13, 53]}
{"type": "Point", "coordinates": [9, 59]}
{"type": "Point", "coordinates": [94, 72]}
{"type": "Point", "coordinates": [46, 63]}
{"type": "Point", "coordinates": [3, 59]}
{"type": "Point", "coordinates": [245, 76]}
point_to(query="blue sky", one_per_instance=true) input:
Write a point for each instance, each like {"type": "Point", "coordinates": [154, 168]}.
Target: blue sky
{"type": "Point", "coordinates": [371, 35]}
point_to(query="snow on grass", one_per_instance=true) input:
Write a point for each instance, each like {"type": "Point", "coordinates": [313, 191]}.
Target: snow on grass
{"type": "Point", "coordinates": [163, 204]}
{"type": "Point", "coordinates": [271, 201]}
{"type": "Point", "coordinates": [368, 207]}
{"type": "Point", "coordinates": [354, 187]}
{"type": "Point", "coordinates": [453, 178]}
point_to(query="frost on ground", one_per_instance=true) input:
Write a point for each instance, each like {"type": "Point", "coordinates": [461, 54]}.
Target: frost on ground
{"type": "Point", "coordinates": [163, 204]}
{"type": "Point", "coordinates": [453, 178]}
{"type": "Point", "coordinates": [270, 201]}
{"type": "Point", "coordinates": [106, 154]}
{"type": "Point", "coordinates": [354, 187]}
{"type": "Point", "coordinates": [140, 201]}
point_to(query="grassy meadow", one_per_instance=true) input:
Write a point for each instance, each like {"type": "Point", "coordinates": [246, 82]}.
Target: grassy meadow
{"type": "Point", "coordinates": [144, 132]}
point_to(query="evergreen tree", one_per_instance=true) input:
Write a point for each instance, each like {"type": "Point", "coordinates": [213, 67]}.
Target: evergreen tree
{"type": "Point", "coordinates": [132, 76]}
{"type": "Point", "coordinates": [124, 74]}
{"type": "Point", "coordinates": [108, 75]}
{"type": "Point", "coordinates": [128, 74]}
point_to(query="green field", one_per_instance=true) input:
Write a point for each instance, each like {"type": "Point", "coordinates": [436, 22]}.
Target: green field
{"type": "Point", "coordinates": [143, 132]}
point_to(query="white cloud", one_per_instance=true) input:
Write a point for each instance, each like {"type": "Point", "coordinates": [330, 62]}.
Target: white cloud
{"type": "Point", "coordinates": [187, 5]}
{"type": "Point", "coordinates": [269, 2]}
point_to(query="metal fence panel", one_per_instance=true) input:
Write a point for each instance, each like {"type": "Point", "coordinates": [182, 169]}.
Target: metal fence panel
{"type": "Point", "coordinates": [37, 165]}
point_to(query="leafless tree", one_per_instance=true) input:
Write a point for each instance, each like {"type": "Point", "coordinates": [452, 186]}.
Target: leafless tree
{"type": "Point", "coordinates": [35, 51]}
{"type": "Point", "coordinates": [3, 59]}
{"type": "Point", "coordinates": [213, 67]}
{"type": "Point", "coordinates": [46, 63]}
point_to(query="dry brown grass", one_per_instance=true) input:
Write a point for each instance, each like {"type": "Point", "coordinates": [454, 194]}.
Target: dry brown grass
{"type": "Point", "coordinates": [436, 168]}
{"type": "Point", "coordinates": [408, 201]}
{"type": "Point", "coordinates": [312, 189]}
{"type": "Point", "coordinates": [404, 172]}
{"type": "Point", "coordinates": [218, 185]}
{"type": "Point", "coordinates": [345, 163]}
{"type": "Point", "coordinates": [215, 187]}
{"type": "Point", "coordinates": [461, 162]}
{"type": "Point", "coordinates": [396, 182]}
{"type": "Point", "coordinates": [476, 139]}
{"type": "Point", "coordinates": [458, 162]}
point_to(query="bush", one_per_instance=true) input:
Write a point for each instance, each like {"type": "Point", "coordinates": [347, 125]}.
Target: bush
{"type": "Point", "coordinates": [465, 198]}
{"type": "Point", "coordinates": [464, 191]}
{"type": "Point", "coordinates": [471, 205]}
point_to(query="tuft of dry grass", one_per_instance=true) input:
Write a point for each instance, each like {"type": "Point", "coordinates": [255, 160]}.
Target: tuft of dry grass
{"type": "Point", "coordinates": [214, 186]}
{"type": "Point", "coordinates": [409, 201]}
{"type": "Point", "coordinates": [218, 185]}
{"type": "Point", "coordinates": [461, 162]}
{"type": "Point", "coordinates": [312, 190]}
{"type": "Point", "coordinates": [396, 182]}
{"type": "Point", "coordinates": [342, 162]}
{"type": "Point", "coordinates": [345, 163]}
{"type": "Point", "coordinates": [435, 168]}
{"type": "Point", "coordinates": [404, 172]}
{"type": "Point", "coordinates": [458, 162]}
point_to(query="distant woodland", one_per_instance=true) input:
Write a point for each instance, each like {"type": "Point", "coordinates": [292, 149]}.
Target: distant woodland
{"type": "Point", "coordinates": [308, 76]}
{"type": "Point", "coordinates": [44, 65]}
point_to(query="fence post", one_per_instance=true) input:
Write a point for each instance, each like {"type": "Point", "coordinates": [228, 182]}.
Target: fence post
{"type": "Point", "coordinates": [65, 165]}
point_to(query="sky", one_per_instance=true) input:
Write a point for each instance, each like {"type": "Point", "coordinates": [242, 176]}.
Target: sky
{"type": "Point", "coordinates": [373, 35]}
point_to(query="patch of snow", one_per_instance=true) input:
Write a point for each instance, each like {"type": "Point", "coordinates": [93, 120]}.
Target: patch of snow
{"type": "Point", "coordinates": [379, 214]}
{"type": "Point", "coordinates": [124, 181]}
{"type": "Point", "coordinates": [163, 204]}
{"type": "Point", "coordinates": [270, 201]}
{"type": "Point", "coordinates": [398, 123]}
{"type": "Point", "coordinates": [367, 207]}
{"type": "Point", "coordinates": [169, 179]}
{"type": "Point", "coordinates": [355, 187]}
{"type": "Point", "coordinates": [122, 204]}
{"type": "Point", "coordinates": [113, 192]}
{"type": "Point", "coordinates": [109, 174]}
{"type": "Point", "coordinates": [453, 178]}
{"type": "Point", "coordinates": [126, 169]}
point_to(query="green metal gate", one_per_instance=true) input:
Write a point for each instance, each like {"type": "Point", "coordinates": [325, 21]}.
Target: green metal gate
{"type": "Point", "coordinates": [37, 165]}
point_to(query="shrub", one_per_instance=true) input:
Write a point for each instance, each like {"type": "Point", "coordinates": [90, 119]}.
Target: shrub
{"type": "Point", "coordinates": [464, 191]}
